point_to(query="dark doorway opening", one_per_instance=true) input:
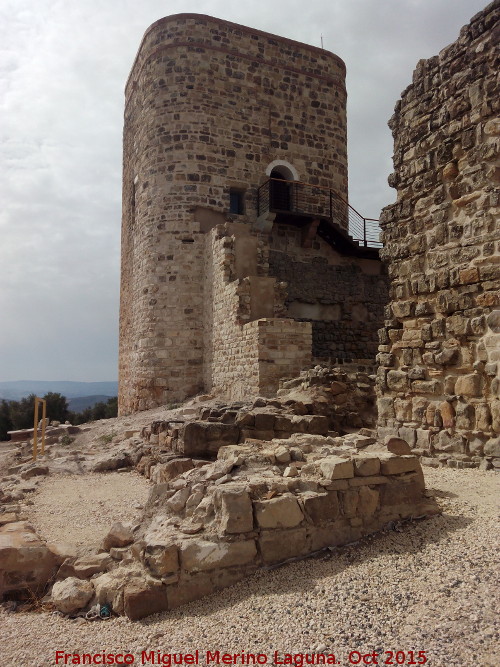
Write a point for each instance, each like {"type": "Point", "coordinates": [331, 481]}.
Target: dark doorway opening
{"type": "Point", "coordinates": [280, 191]}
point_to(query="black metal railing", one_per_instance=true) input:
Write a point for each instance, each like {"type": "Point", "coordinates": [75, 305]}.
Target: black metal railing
{"type": "Point", "coordinates": [280, 196]}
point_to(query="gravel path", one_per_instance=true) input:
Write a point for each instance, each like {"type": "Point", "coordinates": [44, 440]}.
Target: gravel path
{"type": "Point", "coordinates": [80, 510]}
{"type": "Point", "coordinates": [431, 587]}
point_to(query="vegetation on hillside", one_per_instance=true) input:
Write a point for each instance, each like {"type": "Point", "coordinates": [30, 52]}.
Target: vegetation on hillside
{"type": "Point", "coordinates": [15, 415]}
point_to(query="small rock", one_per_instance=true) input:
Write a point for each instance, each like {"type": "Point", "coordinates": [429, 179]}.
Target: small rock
{"type": "Point", "coordinates": [119, 536]}
{"type": "Point", "coordinates": [71, 594]}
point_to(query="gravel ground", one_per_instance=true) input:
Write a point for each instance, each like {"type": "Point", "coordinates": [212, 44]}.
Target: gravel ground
{"type": "Point", "coordinates": [432, 586]}
{"type": "Point", "coordinates": [80, 510]}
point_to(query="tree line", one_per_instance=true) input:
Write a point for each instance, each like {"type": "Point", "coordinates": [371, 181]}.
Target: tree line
{"type": "Point", "coordinates": [16, 415]}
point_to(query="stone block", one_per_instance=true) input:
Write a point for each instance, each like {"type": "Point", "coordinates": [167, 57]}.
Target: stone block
{"type": "Point", "coordinates": [366, 465]}
{"type": "Point", "coordinates": [395, 465]}
{"type": "Point", "coordinates": [118, 536]}
{"type": "Point", "coordinates": [199, 555]}
{"type": "Point", "coordinates": [402, 491]}
{"type": "Point", "coordinates": [449, 442]}
{"type": "Point", "coordinates": [468, 385]}
{"type": "Point", "coordinates": [265, 421]}
{"type": "Point", "coordinates": [280, 512]}
{"type": "Point", "coordinates": [280, 545]}
{"type": "Point", "coordinates": [162, 559]}
{"type": "Point", "coordinates": [332, 535]}
{"type": "Point", "coordinates": [400, 445]}
{"type": "Point", "coordinates": [368, 501]}
{"type": "Point", "coordinates": [321, 507]}
{"type": "Point", "coordinates": [397, 381]}
{"type": "Point", "coordinates": [234, 510]}
{"type": "Point", "coordinates": [492, 447]}
{"type": "Point", "coordinates": [71, 594]}
{"type": "Point", "coordinates": [173, 469]}
{"type": "Point", "coordinates": [447, 414]}
{"type": "Point", "coordinates": [87, 566]}
{"type": "Point", "coordinates": [192, 587]}
{"type": "Point", "coordinates": [26, 563]}
{"type": "Point", "coordinates": [335, 467]}
{"type": "Point", "coordinates": [495, 415]}
{"type": "Point", "coordinates": [349, 500]}
{"type": "Point", "coordinates": [142, 597]}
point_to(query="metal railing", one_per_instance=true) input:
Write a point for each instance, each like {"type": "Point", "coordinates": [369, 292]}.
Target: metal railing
{"type": "Point", "coordinates": [280, 196]}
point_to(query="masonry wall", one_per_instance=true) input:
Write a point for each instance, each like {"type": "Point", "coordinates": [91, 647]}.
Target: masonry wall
{"type": "Point", "coordinates": [439, 358]}
{"type": "Point", "coordinates": [342, 297]}
{"type": "Point", "coordinates": [248, 349]}
{"type": "Point", "coordinates": [209, 106]}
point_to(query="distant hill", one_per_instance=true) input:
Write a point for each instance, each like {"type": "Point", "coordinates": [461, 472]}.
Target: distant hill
{"type": "Point", "coordinates": [16, 390]}
{"type": "Point", "coordinates": [83, 402]}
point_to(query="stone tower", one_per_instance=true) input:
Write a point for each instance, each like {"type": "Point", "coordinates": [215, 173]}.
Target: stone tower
{"type": "Point", "coordinates": [213, 110]}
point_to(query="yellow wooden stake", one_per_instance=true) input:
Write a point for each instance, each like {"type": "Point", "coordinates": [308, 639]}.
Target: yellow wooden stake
{"type": "Point", "coordinates": [35, 431]}
{"type": "Point", "coordinates": [44, 413]}
{"type": "Point", "coordinates": [35, 427]}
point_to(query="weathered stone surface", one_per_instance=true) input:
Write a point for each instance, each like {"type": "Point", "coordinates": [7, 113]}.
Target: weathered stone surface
{"type": "Point", "coordinates": [161, 558]}
{"type": "Point", "coordinates": [71, 594]}
{"type": "Point", "coordinates": [142, 597]}
{"type": "Point", "coordinates": [205, 438]}
{"type": "Point", "coordinates": [366, 465]}
{"type": "Point", "coordinates": [321, 507]}
{"type": "Point", "coordinates": [281, 512]}
{"type": "Point", "coordinates": [34, 471]}
{"type": "Point", "coordinates": [86, 566]}
{"type": "Point", "coordinates": [236, 512]}
{"type": "Point", "coordinates": [492, 447]}
{"type": "Point", "coordinates": [395, 465]}
{"type": "Point", "coordinates": [396, 446]}
{"type": "Point", "coordinates": [276, 546]}
{"type": "Point", "coordinates": [441, 247]}
{"type": "Point", "coordinates": [334, 467]}
{"type": "Point", "coordinates": [199, 555]}
{"type": "Point", "coordinates": [468, 385]}
{"type": "Point", "coordinates": [173, 469]}
{"type": "Point", "coordinates": [118, 536]}
{"type": "Point", "coordinates": [26, 563]}
{"type": "Point", "coordinates": [368, 501]}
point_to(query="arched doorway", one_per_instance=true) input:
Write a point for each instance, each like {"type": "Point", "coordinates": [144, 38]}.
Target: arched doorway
{"type": "Point", "coordinates": [280, 189]}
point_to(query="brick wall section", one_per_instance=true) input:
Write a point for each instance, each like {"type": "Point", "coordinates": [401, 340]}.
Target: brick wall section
{"type": "Point", "coordinates": [245, 356]}
{"type": "Point", "coordinates": [439, 373]}
{"type": "Point", "coordinates": [343, 297]}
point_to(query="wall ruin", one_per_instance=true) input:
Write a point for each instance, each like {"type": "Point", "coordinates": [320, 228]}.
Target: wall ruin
{"type": "Point", "coordinates": [439, 358]}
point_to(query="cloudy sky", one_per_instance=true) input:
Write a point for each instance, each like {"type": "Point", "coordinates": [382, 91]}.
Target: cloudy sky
{"type": "Point", "coordinates": [63, 66]}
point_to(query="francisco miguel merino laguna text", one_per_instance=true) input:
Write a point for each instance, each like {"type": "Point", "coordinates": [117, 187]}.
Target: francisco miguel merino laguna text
{"type": "Point", "coordinates": [208, 657]}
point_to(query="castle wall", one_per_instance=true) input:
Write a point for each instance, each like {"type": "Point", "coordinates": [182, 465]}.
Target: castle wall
{"type": "Point", "coordinates": [210, 106]}
{"type": "Point", "coordinates": [343, 297]}
{"type": "Point", "coordinates": [250, 349]}
{"type": "Point", "coordinates": [439, 373]}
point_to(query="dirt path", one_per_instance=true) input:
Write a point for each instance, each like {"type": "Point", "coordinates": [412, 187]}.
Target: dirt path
{"type": "Point", "coordinates": [80, 509]}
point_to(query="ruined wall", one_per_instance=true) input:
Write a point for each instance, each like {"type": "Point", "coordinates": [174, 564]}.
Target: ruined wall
{"type": "Point", "coordinates": [248, 349]}
{"type": "Point", "coordinates": [439, 373]}
{"type": "Point", "coordinates": [343, 297]}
